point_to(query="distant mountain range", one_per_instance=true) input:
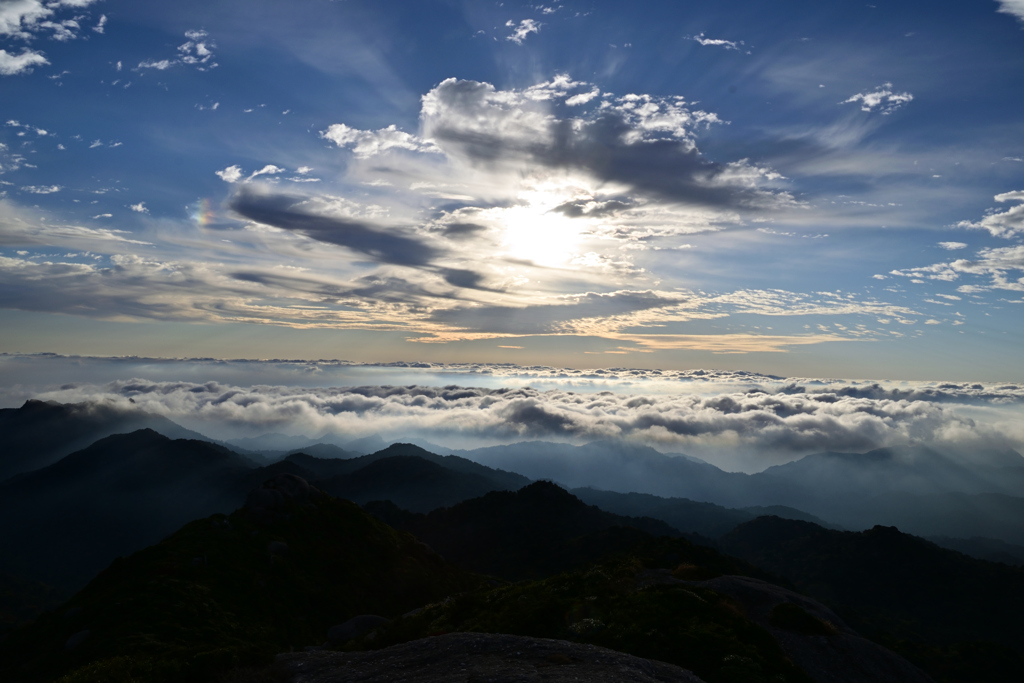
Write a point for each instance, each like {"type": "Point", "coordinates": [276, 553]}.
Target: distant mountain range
{"type": "Point", "coordinates": [40, 433]}
{"type": "Point", "coordinates": [70, 519]}
{"type": "Point", "coordinates": [124, 492]}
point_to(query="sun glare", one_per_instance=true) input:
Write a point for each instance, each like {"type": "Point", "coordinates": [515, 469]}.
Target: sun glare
{"type": "Point", "coordinates": [537, 233]}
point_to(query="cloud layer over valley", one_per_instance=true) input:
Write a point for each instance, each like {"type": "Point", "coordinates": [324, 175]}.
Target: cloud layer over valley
{"type": "Point", "coordinates": [734, 420]}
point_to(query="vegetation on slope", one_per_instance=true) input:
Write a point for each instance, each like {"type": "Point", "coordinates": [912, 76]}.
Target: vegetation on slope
{"type": "Point", "coordinates": [623, 604]}
{"type": "Point", "coordinates": [953, 615]}
{"type": "Point", "coordinates": [232, 590]}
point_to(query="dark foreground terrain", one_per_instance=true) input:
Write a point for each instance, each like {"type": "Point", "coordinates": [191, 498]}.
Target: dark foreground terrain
{"type": "Point", "coordinates": [148, 559]}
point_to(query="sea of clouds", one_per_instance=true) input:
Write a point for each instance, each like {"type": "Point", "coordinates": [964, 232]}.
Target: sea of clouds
{"type": "Point", "coordinates": [736, 420]}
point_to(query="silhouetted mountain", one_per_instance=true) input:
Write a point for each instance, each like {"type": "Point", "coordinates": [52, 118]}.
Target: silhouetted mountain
{"type": "Point", "coordinates": [499, 479]}
{"type": "Point", "coordinates": [889, 585]}
{"type": "Point", "coordinates": [326, 451]}
{"type": "Point", "coordinates": [124, 492]}
{"type": "Point", "coordinates": [915, 470]}
{"type": "Point", "coordinates": [535, 531]}
{"type": "Point", "coordinates": [40, 433]}
{"type": "Point", "coordinates": [272, 441]}
{"type": "Point", "coordinates": [365, 445]}
{"type": "Point", "coordinates": [786, 512]}
{"type": "Point", "coordinates": [962, 515]}
{"type": "Point", "coordinates": [706, 519]}
{"type": "Point", "coordinates": [851, 490]}
{"type": "Point", "coordinates": [65, 522]}
{"type": "Point", "coordinates": [988, 549]}
{"type": "Point", "coordinates": [618, 466]}
{"type": "Point", "coordinates": [410, 482]}
{"type": "Point", "coordinates": [233, 590]}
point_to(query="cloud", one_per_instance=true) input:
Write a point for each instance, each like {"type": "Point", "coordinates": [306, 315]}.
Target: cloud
{"type": "Point", "coordinates": [1009, 223]}
{"type": "Point", "coordinates": [231, 174]}
{"type": "Point", "coordinates": [41, 189]}
{"type": "Point", "coordinates": [13, 64]}
{"type": "Point", "coordinates": [727, 44]}
{"type": "Point", "coordinates": [139, 208]}
{"type": "Point", "coordinates": [197, 51]}
{"type": "Point", "coordinates": [19, 17]}
{"type": "Point", "coordinates": [269, 169]}
{"type": "Point", "coordinates": [952, 246]}
{"type": "Point", "coordinates": [24, 19]}
{"type": "Point", "coordinates": [100, 26]}
{"type": "Point", "coordinates": [521, 31]}
{"type": "Point", "coordinates": [296, 214]}
{"type": "Point", "coordinates": [17, 228]}
{"type": "Point", "coordinates": [999, 264]}
{"type": "Point", "coordinates": [882, 99]}
{"type": "Point", "coordinates": [367, 143]}
{"type": "Point", "coordinates": [642, 142]}
{"type": "Point", "coordinates": [557, 316]}
{"type": "Point", "coordinates": [159, 65]}
{"type": "Point", "coordinates": [762, 420]}
{"type": "Point", "coordinates": [1013, 7]}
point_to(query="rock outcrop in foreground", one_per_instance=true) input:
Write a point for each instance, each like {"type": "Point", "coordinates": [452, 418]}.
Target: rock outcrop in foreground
{"type": "Point", "coordinates": [478, 657]}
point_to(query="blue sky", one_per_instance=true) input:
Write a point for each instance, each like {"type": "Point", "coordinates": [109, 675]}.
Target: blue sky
{"type": "Point", "coordinates": [796, 188]}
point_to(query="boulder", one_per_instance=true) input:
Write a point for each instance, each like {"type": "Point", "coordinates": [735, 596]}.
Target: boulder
{"type": "Point", "coordinates": [479, 657]}
{"type": "Point", "coordinates": [354, 627]}
{"type": "Point", "coordinates": [77, 639]}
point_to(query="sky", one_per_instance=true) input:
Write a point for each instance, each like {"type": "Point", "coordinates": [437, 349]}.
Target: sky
{"type": "Point", "coordinates": [795, 188]}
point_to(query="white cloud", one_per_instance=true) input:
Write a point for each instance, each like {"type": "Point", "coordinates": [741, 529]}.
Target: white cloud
{"type": "Point", "coordinates": [231, 174]}
{"type": "Point", "coordinates": [727, 44]}
{"type": "Point", "coordinates": [101, 24]}
{"type": "Point", "coordinates": [303, 170]}
{"type": "Point", "coordinates": [774, 420]}
{"type": "Point", "coordinates": [1013, 7]}
{"type": "Point", "coordinates": [18, 17]}
{"type": "Point", "coordinates": [952, 246]}
{"type": "Point", "coordinates": [999, 264]}
{"type": "Point", "coordinates": [12, 64]}
{"type": "Point", "coordinates": [42, 189]}
{"type": "Point", "coordinates": [882, 99]}
{"type": "Point", "coordinates": [158, 65]}
{"type": "Point", "coordinates": [524, 29]}
{"type": "Point", "coordinates": [367, 143]}
{"type": "Point", "coordinates": [139, 208]}
{"type": "Point", "coordinates": [17, 228]}
{"type": "Point", "coordinates": [197, 51]}
{"type": "Point", "coordinates": [269, 169]}
{"type": "Point", "coordinates": [582, 98]}
{"type": "Point", "coordinates": [1009, 223]}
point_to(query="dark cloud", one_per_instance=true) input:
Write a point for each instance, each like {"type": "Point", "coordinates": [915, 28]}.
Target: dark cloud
{"type": "Point", "coordinates": [649, 150]}
{"type": "Point", "coordinates": [461, 230]}
{"type": "Point", "coordinates": [383, 245]}
{"type": "Point", "coordinates": [578, 208]}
